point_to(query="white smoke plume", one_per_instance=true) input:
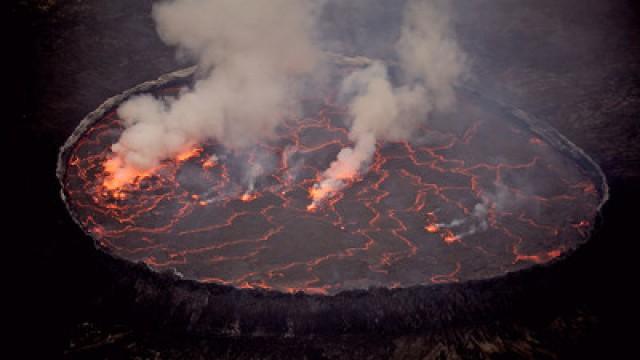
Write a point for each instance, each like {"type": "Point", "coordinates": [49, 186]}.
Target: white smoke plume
{"type": "Point", "coordinates": [478, 220]}
{"type": "Point", "coordinates": [431, 64]}
{"type": "Point", "coordinates": [253, 54]}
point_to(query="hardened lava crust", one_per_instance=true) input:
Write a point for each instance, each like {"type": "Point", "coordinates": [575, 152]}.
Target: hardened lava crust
{"type": "Point", "coordinates": [478, 208]}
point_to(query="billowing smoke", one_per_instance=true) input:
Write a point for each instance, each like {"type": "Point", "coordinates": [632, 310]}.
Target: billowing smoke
{"type": "Point", "coordinates": [252, 55]}
{"type": "Point", "coordinates": [430, 62]}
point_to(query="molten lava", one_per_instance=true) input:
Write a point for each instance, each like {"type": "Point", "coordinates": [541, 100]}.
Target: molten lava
{"type": "Point", "coordinates": [248, 196]}
{"type": "Point", "coordinates": [468, 198]}
{"type": "Point", "coordinates": [188, 154]}
{"type": "Point", "coordinates": [432, 228]}
{"type": "Point", "coordinates": [118, 176]}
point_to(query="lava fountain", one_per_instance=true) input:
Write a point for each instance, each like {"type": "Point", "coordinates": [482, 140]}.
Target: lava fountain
{"type": "Point", "coordinates": [477, 193]}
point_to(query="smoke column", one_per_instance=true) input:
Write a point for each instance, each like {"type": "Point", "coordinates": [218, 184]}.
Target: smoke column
{"type": "Point", "coordinates": [253, 56]}
{"type": "Point", "coordinates": [431, 63]}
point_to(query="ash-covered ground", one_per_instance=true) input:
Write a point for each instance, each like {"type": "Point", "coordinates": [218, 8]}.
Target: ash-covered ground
{"type": "Point", "coordinates": [572, 63]}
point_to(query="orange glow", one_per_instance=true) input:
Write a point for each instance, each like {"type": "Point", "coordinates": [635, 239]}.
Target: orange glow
{"type": "Point", "coordinates": [318, 192]}
{"type": "Point", "coordinates": [405, 203]}
{"type": "Point", "coordinates": [112, 165]}
{"type": "Point", "coordinates": [322, 190]}
{"type": "Point", "coordinates": [208, 164]}
{"type": "Point", "coordinates": [449, 237]}
{"type": "Point", "coordinates": [554, 253]}
{"type": "Point", "coordinates": [119, 175]}
{"type": "Point", "coordinates": [432, 228]}
{"type": "Point", "coordinates": [246, 197]}
{"type": "Point", "coordinates": [188, 154]}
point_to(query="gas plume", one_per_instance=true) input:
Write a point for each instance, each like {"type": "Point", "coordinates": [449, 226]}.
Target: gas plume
{"type": "Point", "coordinates": [252, 57]}
{"type": "Point", "coordinates": [430, 63]}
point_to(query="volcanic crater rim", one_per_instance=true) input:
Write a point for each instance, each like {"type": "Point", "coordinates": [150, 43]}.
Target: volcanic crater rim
{"type": "Point", "coordinates": [538, 127]}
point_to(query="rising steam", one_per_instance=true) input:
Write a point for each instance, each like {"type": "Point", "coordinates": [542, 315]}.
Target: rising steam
{"type": "Point", "coordinates": [253, 56]}
{"type": "Point", "coordinates": [431, 63]}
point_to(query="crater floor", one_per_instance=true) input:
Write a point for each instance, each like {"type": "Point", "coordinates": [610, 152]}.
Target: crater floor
{"type": "Point", "coordinates": [472, 195]}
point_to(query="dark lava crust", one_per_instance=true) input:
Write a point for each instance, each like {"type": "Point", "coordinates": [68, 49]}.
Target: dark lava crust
{"type": "Point", "coordinates": [212, 309]}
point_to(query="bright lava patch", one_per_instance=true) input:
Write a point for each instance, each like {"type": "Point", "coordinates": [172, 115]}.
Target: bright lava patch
{"type": "Point", "coordinates": [473, 196]}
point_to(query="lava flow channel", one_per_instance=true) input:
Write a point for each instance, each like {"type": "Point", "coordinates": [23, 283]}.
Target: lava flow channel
{"type": "Point", "coordinates": [472, 196]}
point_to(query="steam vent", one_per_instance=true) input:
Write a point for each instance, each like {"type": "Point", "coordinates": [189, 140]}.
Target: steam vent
{"type": "Point", "coordinates": [478, 193]}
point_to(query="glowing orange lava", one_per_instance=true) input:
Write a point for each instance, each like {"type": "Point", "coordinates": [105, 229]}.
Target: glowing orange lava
{"type": "Point", "coordinates": [323, 190]}
{"type": "Point", "coordinates": [449, 237]}
{"type": "Point", "coordinates": [248, 196]}
{"type": "Point", "coordinates": [188, 154]}
{"type": "Point", "coordinates": [432, 228]}
{"type": "Point", "coordinates": [408, 219]}
{"type": "Point", "coordinates": [208, 164]}
{"type": "Point", "coordinates": [119, 175]}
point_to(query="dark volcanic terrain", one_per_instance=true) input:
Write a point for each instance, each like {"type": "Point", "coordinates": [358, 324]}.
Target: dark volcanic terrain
{"type": "Point", "coordinates": [574, 64]}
